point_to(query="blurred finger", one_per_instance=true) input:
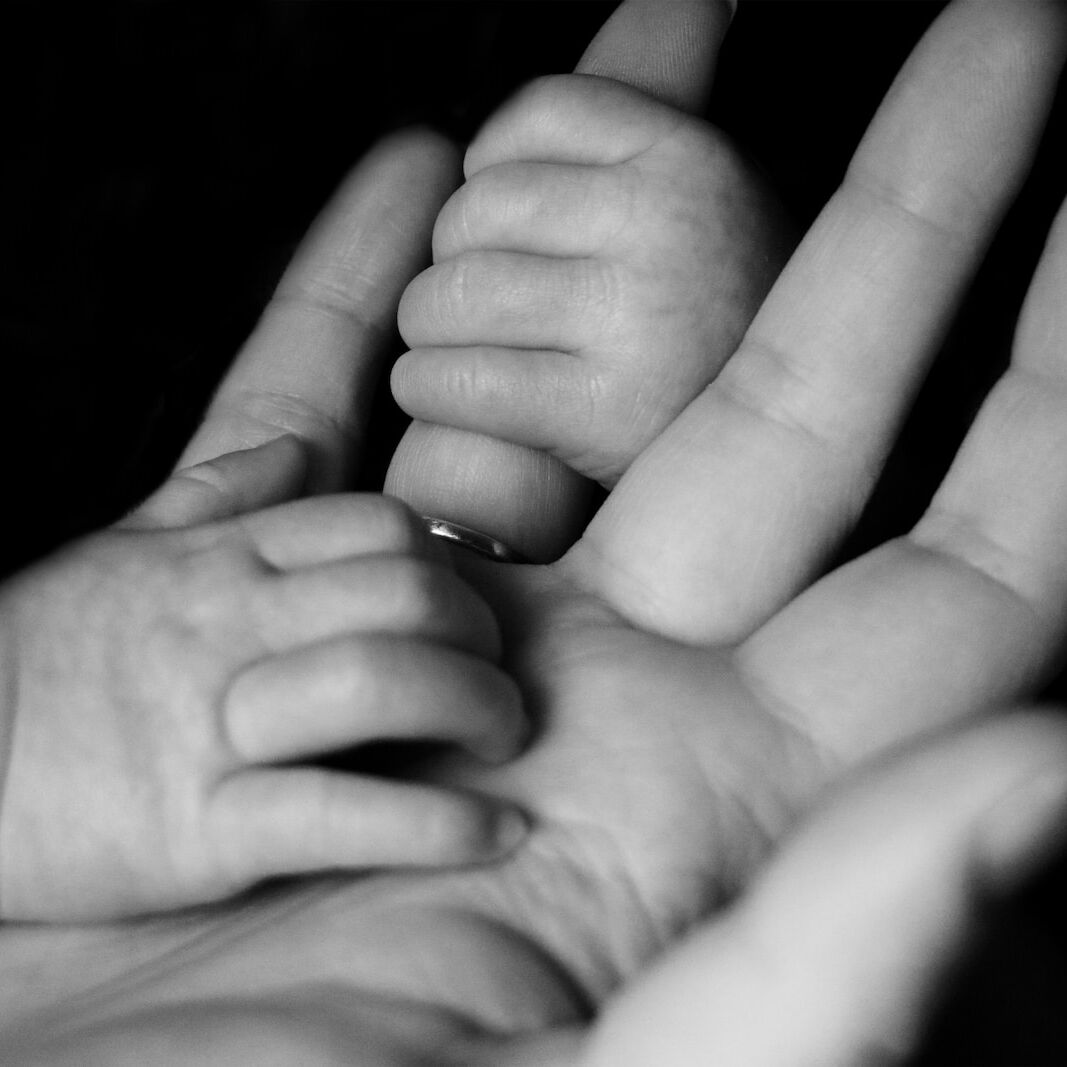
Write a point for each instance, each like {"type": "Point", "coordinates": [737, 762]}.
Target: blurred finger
{"type": "Point", "coordinates": [349, 691]}
{"type": "Point", "coordinates": [297, 820]}
{"type": "Point", "coordinates": [311, 364]}
{"type": "Point", "coordinates": [232, 484]}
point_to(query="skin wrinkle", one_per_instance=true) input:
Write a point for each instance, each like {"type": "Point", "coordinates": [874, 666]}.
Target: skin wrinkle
{"type": "Point", "coordinates": [285, 412]}
{"type": "Point", "coordinates": [333, 299]}
{"type": "Point", "coordinates": [952, 551]}
{"type": "Point", "coordinates": [883, 194]}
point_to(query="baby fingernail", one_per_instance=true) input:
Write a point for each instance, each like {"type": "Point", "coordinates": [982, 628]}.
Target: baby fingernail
{"type": "Point", "coordinates": [512, 828]}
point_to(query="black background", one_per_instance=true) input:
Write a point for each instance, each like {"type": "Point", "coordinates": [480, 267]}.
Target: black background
{"type": "Point", "coordinates": [162, 161]}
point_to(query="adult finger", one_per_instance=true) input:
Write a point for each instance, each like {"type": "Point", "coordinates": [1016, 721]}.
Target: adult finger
{"type": "Point", "coordinates": [231, 484]}
{"type": "Point", "coordinates": [738, 504]}
{"type": "Point", "coordinates": [311, 364]}
{"type": "Point", "coordinates": [878, 890]}
{"type": "Point", "coordinates": [971, 607]}
{"type": "Point", "coordinates": [270, 822]}
{"type": "Point", "coordinates": [665, 48]}
{"type": "Point", "coordinates": [352, 690]}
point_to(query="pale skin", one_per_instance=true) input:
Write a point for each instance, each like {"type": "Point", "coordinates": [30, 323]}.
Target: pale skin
{"type": "Point", "coordinates": [593, 273]}
{"type": "Point", "coordinates": [682, 734]}
{"type": "Point", "coordinates": [172, 680]}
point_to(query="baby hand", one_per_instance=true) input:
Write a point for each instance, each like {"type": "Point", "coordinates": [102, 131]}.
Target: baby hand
{"type": "Point", "coordinates": [592, 275]}
{"type": "Point", "coordinates": [168, 691]}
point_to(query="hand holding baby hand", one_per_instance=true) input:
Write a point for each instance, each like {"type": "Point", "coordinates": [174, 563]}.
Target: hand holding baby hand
{"type": "Point", "coordinates": [597, 268]}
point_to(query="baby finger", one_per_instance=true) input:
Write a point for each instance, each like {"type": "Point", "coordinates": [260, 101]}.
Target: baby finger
{"type": "Point", "coordinates": [354, 690]}
{"type": "Point", "coordinates": [268, 822]}
{"type": "Point", "coordinates": [374, 594]}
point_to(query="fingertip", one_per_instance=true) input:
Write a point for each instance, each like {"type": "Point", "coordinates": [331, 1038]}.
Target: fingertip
{"type": "Point", "coordinates": [468, 829]}
{"type": "Point", "coordinates": [423, 142]}
{"type": "Point", "coordinates": [511, 729]}
{"type": "Point", "coordinates": [665, 48]}
{"type": "Point", "coordinates": [512, 827]}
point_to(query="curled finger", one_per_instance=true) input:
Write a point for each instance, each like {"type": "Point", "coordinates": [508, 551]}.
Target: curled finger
{"type": "Point", "coordinates": [386, 594]}
{"type": "Point", "coordinates": [269, 822]}
{"type": "Point", "coordinates": [354, 690]}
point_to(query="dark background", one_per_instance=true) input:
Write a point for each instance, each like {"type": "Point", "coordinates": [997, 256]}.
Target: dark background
{"type": "Point", "coordinates": [161, 162]}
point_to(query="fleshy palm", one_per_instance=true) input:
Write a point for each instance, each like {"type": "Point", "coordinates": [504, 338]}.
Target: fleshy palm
{"type": "Point", "coordinates": [690, 702]}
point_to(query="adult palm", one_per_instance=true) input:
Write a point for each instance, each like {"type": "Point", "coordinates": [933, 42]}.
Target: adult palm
{"type": "Point", "coordinates": [694, 684]}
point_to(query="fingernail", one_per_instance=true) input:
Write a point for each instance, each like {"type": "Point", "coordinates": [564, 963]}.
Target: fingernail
{"type": "Point", "coordinates": [512, 828]}
{"type": "Point", "coordinates": [1023, 831]}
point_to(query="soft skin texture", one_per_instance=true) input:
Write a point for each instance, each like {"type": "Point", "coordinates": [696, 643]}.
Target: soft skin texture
{"type": "Point", "coordinates": [594, 272]}
{"type": "Point", "coordinates": [668, 769]}
{"type": "Point", "coordinates": [170, 683]}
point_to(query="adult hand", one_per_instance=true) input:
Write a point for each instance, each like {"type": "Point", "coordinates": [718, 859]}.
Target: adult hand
{"type": "Point", "coordinates": [682, 732]}
{"type": "Point", "coordinates": [879, 888]}
{"type": "Point", "coordinates": [696, 686]}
